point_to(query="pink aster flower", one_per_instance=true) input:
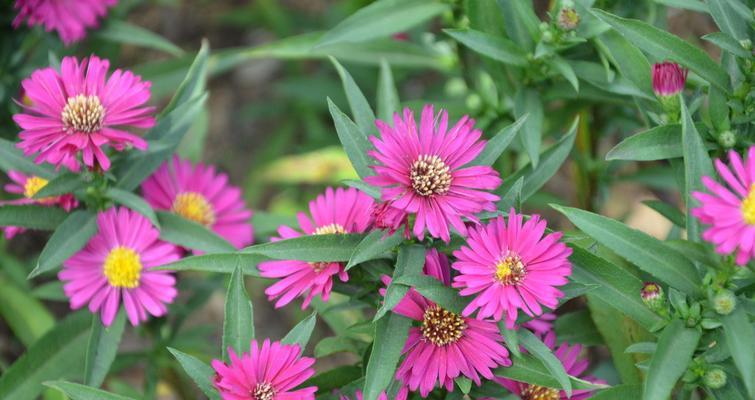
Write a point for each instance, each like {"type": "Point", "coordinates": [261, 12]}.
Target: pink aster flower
{"type": "Point", "coordinates": [446, 345]}
{"type": "Point", "coordinates": [512, 266]}
{"type": "Point", "coordinates": [668, 79]}
{"type": "Point", "coordinates": [542, 324]}
{"type": "Point", "coordinates": [268, 372]}
{"type": "Point", "coordinates": [728, 209]}
{"type": "Point", "coordinates": [574, 364]}
{"type": "Point", "coordinates": [79, 110]}
{"type": "Point", "coordinates": [117, 265]}
{"type": "Point", "coordinates": [203, 195]}
{"type": "Point", "coordinates": [28, 186]}
{"type": "Point", "coordinates": [333, 212]}
{"type": "Point", "coordinates": [423, 171]}
{"type": "Point", "coordinates": [69, 18]}
{"type": "Point", "coordinates": [384, 216]}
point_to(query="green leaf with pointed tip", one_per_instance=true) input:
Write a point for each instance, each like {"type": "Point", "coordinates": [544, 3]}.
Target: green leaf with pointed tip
{"type": "Point", "coordinates": [360, 108]}
{"type": "Point", "coordinates": [224, 263]}
{"type": "Point", "coordinates": [667, 210]}
{"type": "Point", "coordinates": [566, 71]}
{"type": "Point", "coordinates": [238, 324]}
{"type": "Point", "coordinates": [495, 47]}
{"type": "Point", "coordinates": [78, 391]}
{"type": "Point", "coordinates": [410, 261]}
{"type": "Point", "coordinates": [619, 392]}
{"type": "Point", "coordinates": [511, 337]}
{"type": "Point", "coordinates": [697, 164]}
{"type": "Point", "coordinates": [658, 143]}
{"type": "Point", "coordinates": [301, 333]}
{"type": "Point", "coordinates": [66, 182]}
{"type": "Point", "coordinates": [135, 203]}
{"type": "Point", "coordinates": [390, 336]}
{"type": "Point", "coordinates": [201, 373]}
{"type": "Point", "coordinates": [352, 138]}
{"type": "Point", "coordinates": [312, 248]}
{"type": "Point", "coordinates": [512, 198]}
{"type": "Point", "coordinates": [728, 43]}
{"type": "Point", "coordinates": [71, 236]}
{"type": "Point", "coordinates": [521, 22]}
{"type": "Point", "coordinates": [540, 351]}
{"type": "Point", "coordinates": [434, 290]}
{"type": "Point", "coordinates": [724, 12]}
{"type": "Point", "coordinates": [499, 143]}
{"type": "Point", "coordinates": [102, 348]}
{"type": "Point", "coordinates": [365, 187]}
{"type": "Point", "coordinates": [673, 354]}
{"type": "Point", "coordinates": [376, 244]}
{"type": "Point", "coordinates": [527, 101]}
{"type": "Point", "coordinates": [32, 216]}
{"type": "Point", "coordinates": [192, 85]}
{"type": "Point", "coordinates": [26, 316]}
{"type": "Point", "coordinates": [529, 369]}
{"type": "Point", "coordinates": [183, 232]}
{"type": "Point", "coordinates": [739, 338]}
{"type": "Point", "coordinates": [12, 159]}
{"type": "Point", "coordinates": [387, 95]}
{"type": "Point", "coordinates": [124, 32]}
{"type": "Point", "coordinates": [628, 59]}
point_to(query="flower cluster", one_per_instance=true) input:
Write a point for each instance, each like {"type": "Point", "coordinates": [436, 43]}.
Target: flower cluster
{"type": "Point", "coordinates": [70, 19]}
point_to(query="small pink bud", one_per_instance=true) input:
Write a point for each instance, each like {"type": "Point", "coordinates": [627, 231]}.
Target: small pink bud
{"type": "Point", "coordinates": [652, 296]}
{"type": "Point", "coordinates": [668, 79]}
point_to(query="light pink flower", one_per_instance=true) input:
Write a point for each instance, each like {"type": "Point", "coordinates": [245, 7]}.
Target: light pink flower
{"type": "Point", "coordinates": [267, 372]}
{"type": "Point", "coordinates": [28, 186]}
{"type": "Point", "coordinates": [334, 212]}
{"type": "Point", "coordinates": [117, 265]}
{"type": "Point", "coordinates": [70, 18]}
{"type": "Point", "coordinates": [668, 78]}
{"type": "Point", "coordinates": [510, 267]}
{"type": "Point", "coordinates": [203, 195]}
{"type": "Point", "coordinates": [446, 345]}
{"type": "Point", "coordinates": [424, 172]}
{"type": "Point", "coordinates": [729, 210]}
{"type": "Point", "coordinates": [79, 110]}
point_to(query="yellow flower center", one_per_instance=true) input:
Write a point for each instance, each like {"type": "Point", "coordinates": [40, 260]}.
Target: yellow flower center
{"type": "Point", "coordinates": [748, 206]}
{"type": "Point", "coordinates": [442, 327]}
{"type": "Point", "coordinates": [193, 206]}
{"type": "Point", "coordinates": [430, 176]}
{"type": "Point", "coordinates": [123, 267]}
{"type": "Point", "coordinates": [263, 391]}
{"type": "Point", "coordinates": [510, 270]}
{"type": "Point", "coordinates": [534, 392]}
{"type": "Point", "coordinates": [83, 114]}
{"type": "Point", "coordinates": [33, 185]}
{"type": "Point", "coordinates": [330, 229]}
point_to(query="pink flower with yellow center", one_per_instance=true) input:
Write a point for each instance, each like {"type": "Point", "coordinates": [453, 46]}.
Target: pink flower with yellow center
{"type": "Point", "coordinates": [201, 194]}
{"type": "Point", "coordinates": [424, 171]}
{"type": "Point", "coordinates": [510, 267]}
{"type": "Point", "coordinates": [336, 211]}
{"type": "Point", "coordinates": [117, 266]}
{"type": "Point", "coordinates": [79, 110]}
{"type": "Point", "coordinates": [268, 372]}
{"type": "Point", "coordinates": [70, 18]}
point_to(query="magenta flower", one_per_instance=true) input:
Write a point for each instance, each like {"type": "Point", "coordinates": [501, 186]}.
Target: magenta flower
{"type": "Point", "coordinates": [268, 372]}
{"type": "Point", "coordinates": [200, 194]}
{"type": "Point", "coordinates": [729, 210]}
{"type": "Point", "coordinates": [424, 172]}
{"type": "Point", "coordinates": [391, 219]}
{"type": "Point", "coordinates": [510, 267]}
{"type": "Point", "coordinates": [574, 366]}
{"type": "Point", "coordinates": [446, 345]}
{"type": "Point", "coordinates": [79, 110]}
{"type": "Point", "coordinates": [118, 265]}
{"type": "Point", "coordinates": [542, 324]}
{"type": "Point", "coordinates": [69, 18]}
{"type": "Point", "coordinates": [668, 79]}
{"type": "Point", "coordinates": [333, 212]}
{"type": "Point", "coordinates": [28, 186]}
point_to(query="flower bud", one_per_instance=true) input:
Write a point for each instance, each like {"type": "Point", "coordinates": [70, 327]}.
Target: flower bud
{"type": "Point", "coordinates": [652, 296]}
{"type": "Point", "coordinates": [746, 44]}
{"type": "Point", "coordinates": [547, 37]}
{"type": "Point", "coordinates": [727, 139]}
{"type": "Point", "coordinates": [568, 18]}
{"type": "Point", "coordinates": [715, 378]}
{"type": "Point", "coordinates": [668, 79]}
{"type": "Point", "coordinates": [724, 302]}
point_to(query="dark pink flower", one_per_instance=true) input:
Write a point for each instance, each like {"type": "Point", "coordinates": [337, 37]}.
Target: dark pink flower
{"type": "Point", "coordinates": [334, 212]}
{"type": "Point", "coordinates": [268, 372]}
{"type": "Point", "coordinates": [28, 186]}
{"type": "Point", "coordinates": [79, 110]}
{"type": "Point", "coordinates": [70, 18]}
{"type": "Point", "coordinates": [668, 78]}
{"type": "Point", "coordinates": [389, 218]}
{"type": "Point", "coordinates": [424, 171]}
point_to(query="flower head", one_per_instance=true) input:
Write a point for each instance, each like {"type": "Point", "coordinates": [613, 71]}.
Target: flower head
{"type": "Point", "coordinates": [446, 344]}
{"type": "Point", "coordinates": [728, 209]}
{"type": "Point", "coordinates": [28, 186]}
{"type": "Point", "coordinates": [203, 195]}
{"type": "Point", "coordinates": [384, 216]}
{"type": "Point", "coordinates": [118, 265]}
{"type": "Point", "coordinates": [69, 18]}
{"type": "Point", "coordinates": [510, 265]}
{"type": "Point", "coordinates": [336, 211]}
{"type": "Point", "coordinates": [79, 110]}
{"type": "Point", "coordinates": [268, 372]}
{"type": "Point", "coordinates": [423, 171]}
{"type": "Point", "coordinates": [668, 79]}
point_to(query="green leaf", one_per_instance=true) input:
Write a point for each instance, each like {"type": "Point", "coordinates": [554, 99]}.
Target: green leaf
{"type": "Point", "coordinates": [301, 333]}
{"type": "Point", "coordinates": [499, 143]}
{"type": "Point", "coordinates": [313, 248]}
{"type": "Point", "coordinates": [59, 354]}
{"type": "Point", "coordinates": [666, 46]}
{"type": "Point", "coordinates": [70, 237]}
{"type": "Point", "coordinates": [410, 261]}
{"type": "Point", "coordinates": [66, 182]}
{"type": "Point", "coordinates": [497, 48]}
{"type": "Point", "coordinates": [529, 369]}
{"type": "Point", "coordinates": [694, 5]}
{"type": "Point", "coordinates": [78, 391]}
{"type": "Point", "coordinates": [511, 337]}
{"type": "Point", "coordinates": [673, 354]}
{"type": "Point", "coordinates": [26, 316]}
{"type": "Point", "coordinates": [135, 203]}
{"type": "Point", "coordinates": [224, 263]}
{"type": "Point", "coordinates": [32, 216]}
{"type": "Point", "coordinates": [434, 290]}
{"type": "Point", "coordinates": [12, 159]}
{"type": "Point", "coordinates": [512, 198]}
{"type": "Point", "coordinates": [360, 108]}
{"type": "Point", "coordinates": [727, 18]}
{"type": "Point", "coordinates": [667, 210]}
{"type": "Point", "coordinates": [659, 143]}
{"type": "Point", "coordinates": [238, 325]}
{"type": "Point", "coordinates": [193, 84]}
{"type": "Point", "coordinates": [353, 139]}
{"type": "Point", "coordinates": [183, 232]}
{"type": "Point", "coordinates": [381, 19]}
{"type": "Point", "coordinates": [527, 101]}
{"type": "Point", "coordinates": [521, 22]}
{"type": "Point", "coordinates": [368, 189]}
{"type": "Point", "coordinates": [628, 59]}
{"type": "Point", "coordinates": [102, 348]}
{"type": "Point", "coordinates": [123, 32]}
{"type": "Point", "coordinates": [697, 164]}
{"type": "Point", "coordinates": [739, 338]}
{"type": "Point", "coordinates": [639, 248]}
{"type": "Point", "coordinates": [387, 95]}
{"type": "Point", "coordinates": [538, 349]}
{"type": "Point", "coordinates": [642, 348]}
{"type": "Point", "coordinates": [201, 373]}
{"type": "Point", "coordinates": [728, 43]}
{"type": "Point", "coordinates": [578, 327]}
{"type": "Point", "coordinates": [376, 244]}
{"type": "Point", "coordinates": [465, 385]}
{"type": "Point", "coordinates": [619, 392]}
{"type": "Point", "coordinates": [566, 71]}
{"type": "Point", "coordinates": [390, 337]}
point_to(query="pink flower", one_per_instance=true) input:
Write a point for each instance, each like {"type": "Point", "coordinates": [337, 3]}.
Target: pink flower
{"type": "Point", "coordinates": [201, 194]}
{"type": "Point", "coordinates": [79, 110]}
{"type": "Point", "coordinates": [424, 172]}
{"type": "Point", "coordinates": [69, 18]}
{"type": "Point", "coordinates": [574, 366]}
{"type": "Point", "coordinates": [446, 345]}
{"type": "Point", "coordinates": [28, 186]}
{"type": "Point", "coordinates": [542, 324]}
{"type": "Point", "coordinates": [267, 372]}
{"type": "Point", "coordinates": [512, 267]}
{"type": "Point", "coordinates": [668, 79]}
{"type": "Point", "coordinates": [117, 265]}
{"type": "Point", "coordinates": [334, 212]}
{"type": "Point", "coordinates": [729, 210]}
{"type": "Point", "coordinates": [384, 216]}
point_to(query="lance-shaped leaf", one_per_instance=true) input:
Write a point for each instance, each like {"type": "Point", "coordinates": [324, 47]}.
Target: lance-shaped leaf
{"type": "Point", "coordinates": [390, 336]}
{"type": "Point", "coordinates": [499, 143]}
{"type": "Point", "coordinates": [374, 245]}
{"type": "Point", "coordinates": [32, 216]}
{"type": "Point", "coordinates": [183, 232]}
{"type": "Point", "coordinates": [70, 237]}
{"type": "Point", "coordinates": [495, 47]}
{"type": "Point", "coordinates": [530, 370]}
{"type": "Point", "coordinates": [697, 164]}
{"type": "Point", "coordinates": [198, 371]}
{"type": "Point", "coordinates": [102, 348]}
{"type": "Point", "coordinates": [739, 338]}
{"type": "Point", "coordinates": [313, 248]}
{"type": "Point", "coordinates": [301, 333]}
{"type": "Point", "coordinates": [124, 32]}
{"type": "Point", "coordinates": [673, 354]}
{"type": "Point", "coordinates": [78, 391]}
{"type": "Point", "coordinates": [538, 349]}
{"type": "Point", "coordinates": [135, 203]}
{"type": "Point", "coordinates": [360, 108]}
{"type": "Point", "coordinates": [66, 182]}
{"type": "Point", "coordinates": [12, 159]}
{"type": "Point", "coordinates": [410, 261]}
{"type": "Point", "coordinates": [224, 263]}
{"type": "Point", "coordinates": [238, 324]}
{"type": "Point", "coordinates": [352, 138]}
{"type": "Point", "coordinates": [387, 95]}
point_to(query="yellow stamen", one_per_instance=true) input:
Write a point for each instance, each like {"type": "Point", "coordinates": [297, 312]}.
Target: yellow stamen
{"type": "Point", "coordinates": [330, 229]}
{"type": "Point", "coordinates": [195, 207]}
{"type": "Point", "coordinates": [748, 206]}
{"type": "Point", "coordinates": [534, 392]}
{"type": "Point", "coordinates": [123, 267]}
{"type": "Point", "coordinates": [83, 114]}
{"type": "Point", "coordinates": [33, 185]}
{"type": "Point", "coordinates": [442, 327]}
{"type": "Point", "coordinates": [510, 270]}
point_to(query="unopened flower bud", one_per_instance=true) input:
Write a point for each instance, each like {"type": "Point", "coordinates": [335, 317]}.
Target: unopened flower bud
{"type": "Point", "coordinates": [547, 37]}
{"type": "Point", "coordinates": [746, 44]}
{"type": "Point", "coordinates": [668, 79]}
{"type": "Point", "coordinates": [474, 102]}
{"type": "Point", "coordinates": [724, 302]}
{"type": "Point", "coordinates": [568, 19]}
{"type": "Point", "coordinates": [727, 139]}
{"type": "Point", "coordinates": [715, 378]}
{"type": "Point", "coordinates": [652, 296]}
{"type": "Point", "coordinates": [543, 26]}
